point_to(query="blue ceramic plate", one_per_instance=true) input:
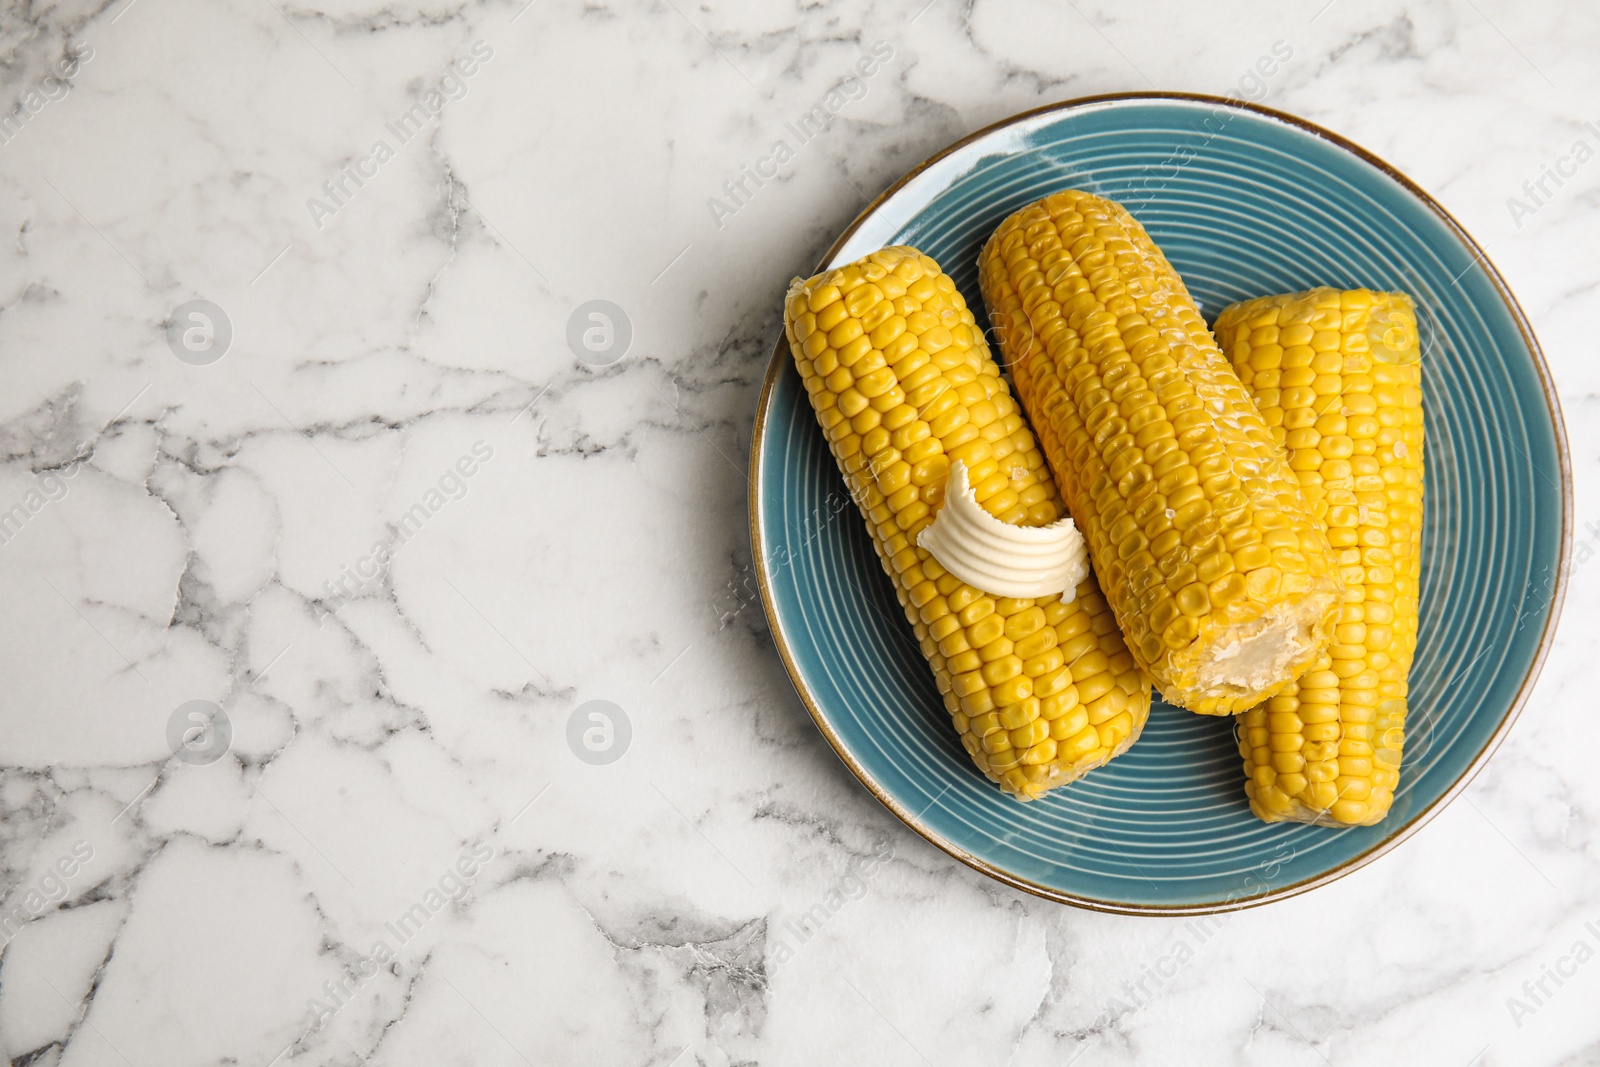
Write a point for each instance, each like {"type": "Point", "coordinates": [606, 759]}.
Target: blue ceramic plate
{"type": "Point", "coordinates": [1245, 202]}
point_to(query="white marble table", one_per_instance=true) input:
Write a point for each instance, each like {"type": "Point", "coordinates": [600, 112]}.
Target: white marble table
{"type": "Point", "coordinates": [396, 210]}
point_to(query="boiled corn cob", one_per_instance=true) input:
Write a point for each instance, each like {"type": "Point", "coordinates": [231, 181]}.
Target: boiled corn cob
{"type": "Point", "coordinates": [1337, 375]}
{"type": "Point", "coordinates": [1205, 545]}
{"type": "Point", "coordinates": [1040, 691]}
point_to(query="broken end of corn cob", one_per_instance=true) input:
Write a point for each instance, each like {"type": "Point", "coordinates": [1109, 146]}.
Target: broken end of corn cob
{"type": "Point", "coordinates": [1039, 690]}
{"type": "Point", "coordinates": [1203, 541]}
{"type": "Point", "coordinates": [1256, 658]}
{"type": "Point", "coordinates": [1337, 375]}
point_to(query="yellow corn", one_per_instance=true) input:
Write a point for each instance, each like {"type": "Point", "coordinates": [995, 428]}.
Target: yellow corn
{"type": "Point", "coordinates": [1204, 543]}
{"type": "Point", "coordinates": [1337, 376]}
{"type": "Point", "coordinates": [901, 380]}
